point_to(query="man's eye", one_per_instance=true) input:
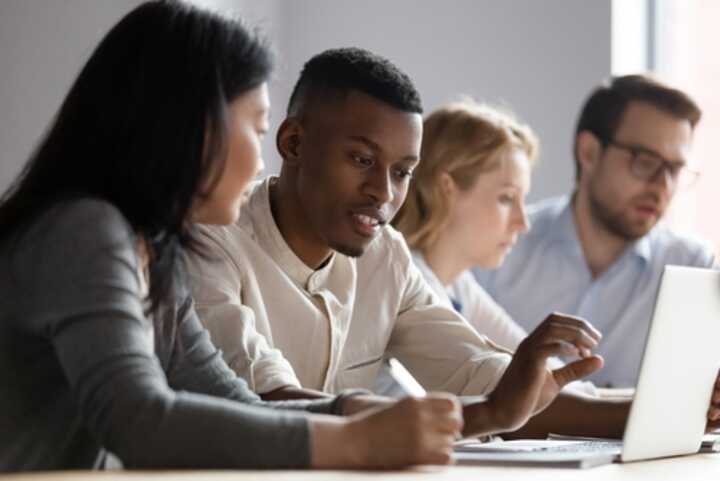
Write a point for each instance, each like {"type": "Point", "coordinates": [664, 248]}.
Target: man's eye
{"type": "Point", "coordinates": [647, 163]}
{"type": "Point", "coordinates": [675, 168]}
{"type": "Point", "coordinates": [506, 199]}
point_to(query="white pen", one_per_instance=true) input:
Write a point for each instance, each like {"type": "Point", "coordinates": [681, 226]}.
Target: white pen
{"type": "Point", "coordinates": [404, 379]}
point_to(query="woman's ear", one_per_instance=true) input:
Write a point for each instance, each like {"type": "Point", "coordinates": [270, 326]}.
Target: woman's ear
{"type": "Point", "coordinates": [447, 185]}
{"type": "Point", "coordinates": [448, 188]}
{"type": "Point", "coordinates": [288, 140]}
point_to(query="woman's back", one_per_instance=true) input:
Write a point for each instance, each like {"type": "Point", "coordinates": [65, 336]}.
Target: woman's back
{"type": "Point", "coordinates": [46, 277]}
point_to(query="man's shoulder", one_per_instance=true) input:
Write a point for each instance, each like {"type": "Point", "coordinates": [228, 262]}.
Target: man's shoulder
{"type": "Point", "coordinates": [544, 218]}
{"type": "Point", "coordinates": [226, 235]}
{"type": "Point", "coordinates": [674, 246]}
{"type": "Point", "coordinates": [547, 210]}
{"type": "Point", "coordinates": [240, 234]}
{"type": "Point", "coordinates": [235, 243]}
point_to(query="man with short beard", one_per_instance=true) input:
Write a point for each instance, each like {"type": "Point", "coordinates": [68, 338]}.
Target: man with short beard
{"type": "Point", "coordinates": [599, 253]}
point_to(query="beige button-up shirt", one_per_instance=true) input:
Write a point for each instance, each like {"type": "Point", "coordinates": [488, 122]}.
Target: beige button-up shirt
{"type": "Point", "coordinates": [279, 323]}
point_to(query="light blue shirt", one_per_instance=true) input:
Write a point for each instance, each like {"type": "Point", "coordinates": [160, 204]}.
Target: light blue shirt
{"type": "Point", "coordinates": [546, 272]}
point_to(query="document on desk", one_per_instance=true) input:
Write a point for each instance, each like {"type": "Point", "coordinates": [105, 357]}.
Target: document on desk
{"type": "Point", "coordinates": [530, 452]}
{"type": "Point", "coordinates": [513, 446]}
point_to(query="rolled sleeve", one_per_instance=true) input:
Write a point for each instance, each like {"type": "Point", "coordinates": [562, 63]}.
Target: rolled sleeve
{"type": "Point", "coordinates": [440, 348]}
{"type": "Point", "coordinates": [217, 286]}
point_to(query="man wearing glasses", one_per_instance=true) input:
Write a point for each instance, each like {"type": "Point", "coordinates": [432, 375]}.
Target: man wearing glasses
{"type": "Point", "coordinates": [599, 252]}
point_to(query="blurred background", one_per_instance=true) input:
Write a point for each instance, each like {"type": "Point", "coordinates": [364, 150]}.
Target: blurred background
{"type": "Point", "coordinates": [539, 59]}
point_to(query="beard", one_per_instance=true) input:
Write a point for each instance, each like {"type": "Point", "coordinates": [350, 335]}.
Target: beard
{"type": "Point", "coordinates": [348, 250]}
{"type": "Point", "coordinates": [615, 221]}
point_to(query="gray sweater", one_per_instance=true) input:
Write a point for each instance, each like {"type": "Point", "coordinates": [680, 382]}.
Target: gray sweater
{"type": "Point", "coordinates": [83, 370]}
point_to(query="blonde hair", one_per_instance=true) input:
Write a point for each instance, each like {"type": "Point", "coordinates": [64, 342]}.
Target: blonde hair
{"type": "Point", "coordinates": [462, 139]}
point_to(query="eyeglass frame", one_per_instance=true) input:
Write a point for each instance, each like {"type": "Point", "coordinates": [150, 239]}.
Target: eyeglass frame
{"type": "Point", "coordinates": [663, 166]}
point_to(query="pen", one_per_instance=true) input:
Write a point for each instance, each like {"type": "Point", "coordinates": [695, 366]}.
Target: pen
{"type": "Point", "coordinates": [404, 379]}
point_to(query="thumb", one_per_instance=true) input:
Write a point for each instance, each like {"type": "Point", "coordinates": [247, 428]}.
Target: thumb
{"type": "Point", "coordinates": [577, 370]}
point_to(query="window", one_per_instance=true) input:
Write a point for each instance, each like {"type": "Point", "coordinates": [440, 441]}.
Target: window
{"type": "Point", "coordinates": [685, 37]}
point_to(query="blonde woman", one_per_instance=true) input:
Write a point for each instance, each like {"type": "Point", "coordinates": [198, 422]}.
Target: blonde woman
{"type": "Point", "coordinates": [466, 207]}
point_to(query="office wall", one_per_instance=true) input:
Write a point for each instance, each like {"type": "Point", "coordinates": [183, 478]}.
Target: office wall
{"type": "Point", "coordinates": [539, 58]}
{"type": "Point", "coordinates": [43, 44]}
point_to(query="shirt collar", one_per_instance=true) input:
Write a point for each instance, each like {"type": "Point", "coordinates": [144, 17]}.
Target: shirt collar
{"type": "Point", "coordinates": [642, 247]}
{"type": "Point", "coordinates": [270, 238]}
{"type": "Point", "coordinates": [563, 229]}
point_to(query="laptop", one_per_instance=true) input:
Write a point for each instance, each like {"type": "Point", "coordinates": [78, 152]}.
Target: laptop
{"type": "Point", "coordinates": [678, 370]}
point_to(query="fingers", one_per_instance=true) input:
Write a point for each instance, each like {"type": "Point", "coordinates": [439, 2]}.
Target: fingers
{"type": "Point", "coordinates": [437, 420]}
{"type": "Point", "coordinates": [559, 348]}
{"type": "Point", "coordinates": [446, 411]}
{"type": "Point", "coordinates": [714, 413]}
{"type": "Point", "coordinates": [441, 453]}
{"type": "Point", "coordinates": [712, 426]}
{"type": "Point", "coordinates": [571, 322]}
{"type": "Point", "coordinates": [561, 335]}
{"type": "Point", "coordinates": [577, 370]}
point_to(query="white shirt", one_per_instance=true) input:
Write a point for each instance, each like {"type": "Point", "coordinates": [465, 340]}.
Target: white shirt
{"type": "Point", "coordinates": [485, 315]}
{"type": "Point", "coordinates": [280, 323]}
{"type": "Point", "coordinates": [467, 297]}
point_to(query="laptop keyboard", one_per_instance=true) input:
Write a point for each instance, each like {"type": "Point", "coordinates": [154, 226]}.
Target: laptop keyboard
{"type": "Point", "coordinates": [586, 447]}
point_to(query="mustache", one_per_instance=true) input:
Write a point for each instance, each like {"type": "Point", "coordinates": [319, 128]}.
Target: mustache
{"type": "Point", "coordinates": [647, 198]}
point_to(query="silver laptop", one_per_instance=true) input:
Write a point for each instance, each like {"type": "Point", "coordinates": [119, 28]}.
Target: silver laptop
{"type": "Point", "coordinates": [678, 370]}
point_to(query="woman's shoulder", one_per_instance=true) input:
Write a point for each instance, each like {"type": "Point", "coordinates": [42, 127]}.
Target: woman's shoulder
{"type": "Point", "coordinates": [89, 210]}
{"type": "Point", "coordinates": [75, 228]}
{"type": "Point", "coordinates": [85, 219]}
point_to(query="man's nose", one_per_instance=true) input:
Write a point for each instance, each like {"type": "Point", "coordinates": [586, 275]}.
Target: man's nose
{"type": "Point", "coordinates": [379, 185]}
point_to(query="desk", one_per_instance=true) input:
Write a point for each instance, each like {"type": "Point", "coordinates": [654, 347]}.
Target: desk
{"type": "Point", "coordinates": [687, 468]}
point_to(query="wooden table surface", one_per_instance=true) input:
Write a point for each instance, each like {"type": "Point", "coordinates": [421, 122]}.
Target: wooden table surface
{"type": "Point", "coordinates": [685, 468]}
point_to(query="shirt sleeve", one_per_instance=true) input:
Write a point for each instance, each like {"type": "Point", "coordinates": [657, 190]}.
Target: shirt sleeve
{"type": "Point", "coordinates": [85, 288]}
{"type": "Point", "coordinates": [707, 258]}
{"type": "Point", "coordinates": [216, 283]}
{"type": "Point", "coordinates": [439, 347]}
{"type": "Point", "coordinates": [487, 316]}
{"type": "Point", "coordinates": [196, 365]}
{"type": "Point", "coordinates": [486, 278]}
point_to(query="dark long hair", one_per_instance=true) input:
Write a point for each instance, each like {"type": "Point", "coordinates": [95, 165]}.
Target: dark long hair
{"type": "Point", "coordinates": [143, 127]}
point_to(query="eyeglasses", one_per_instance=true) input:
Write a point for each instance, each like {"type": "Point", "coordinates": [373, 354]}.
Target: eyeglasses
{"type": "Point", "coordinates": [647, 165]}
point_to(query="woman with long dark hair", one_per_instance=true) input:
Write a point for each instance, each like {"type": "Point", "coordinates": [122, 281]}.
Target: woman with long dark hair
{"type": "Point", "coordinates": [100, 347]}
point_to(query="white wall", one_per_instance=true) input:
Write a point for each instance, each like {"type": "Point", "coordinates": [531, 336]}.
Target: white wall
{"type": "Point", "coordinates": [43, 45]}
{"type": "Point", "coordinates": [540, 58]}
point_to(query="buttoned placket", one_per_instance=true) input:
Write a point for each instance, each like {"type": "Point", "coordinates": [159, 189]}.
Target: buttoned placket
{"type": "Point", "coordinates": [338, 318]}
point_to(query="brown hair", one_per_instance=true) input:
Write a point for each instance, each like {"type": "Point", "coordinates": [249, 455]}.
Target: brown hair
{"type": "Point", "coordinates": [463, 139]}
{"type": "Point", "coordinates": [603, 110]}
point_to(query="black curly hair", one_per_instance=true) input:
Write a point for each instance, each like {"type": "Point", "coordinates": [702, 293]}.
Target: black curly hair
{"type": "Point", "coordinates": [335, 72]}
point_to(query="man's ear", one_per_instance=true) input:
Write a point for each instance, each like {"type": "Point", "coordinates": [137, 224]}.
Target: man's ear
{"type": "Point", "coordinates": [288, 140]}
{"type": "Point", "coordinates": [589, 150]}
